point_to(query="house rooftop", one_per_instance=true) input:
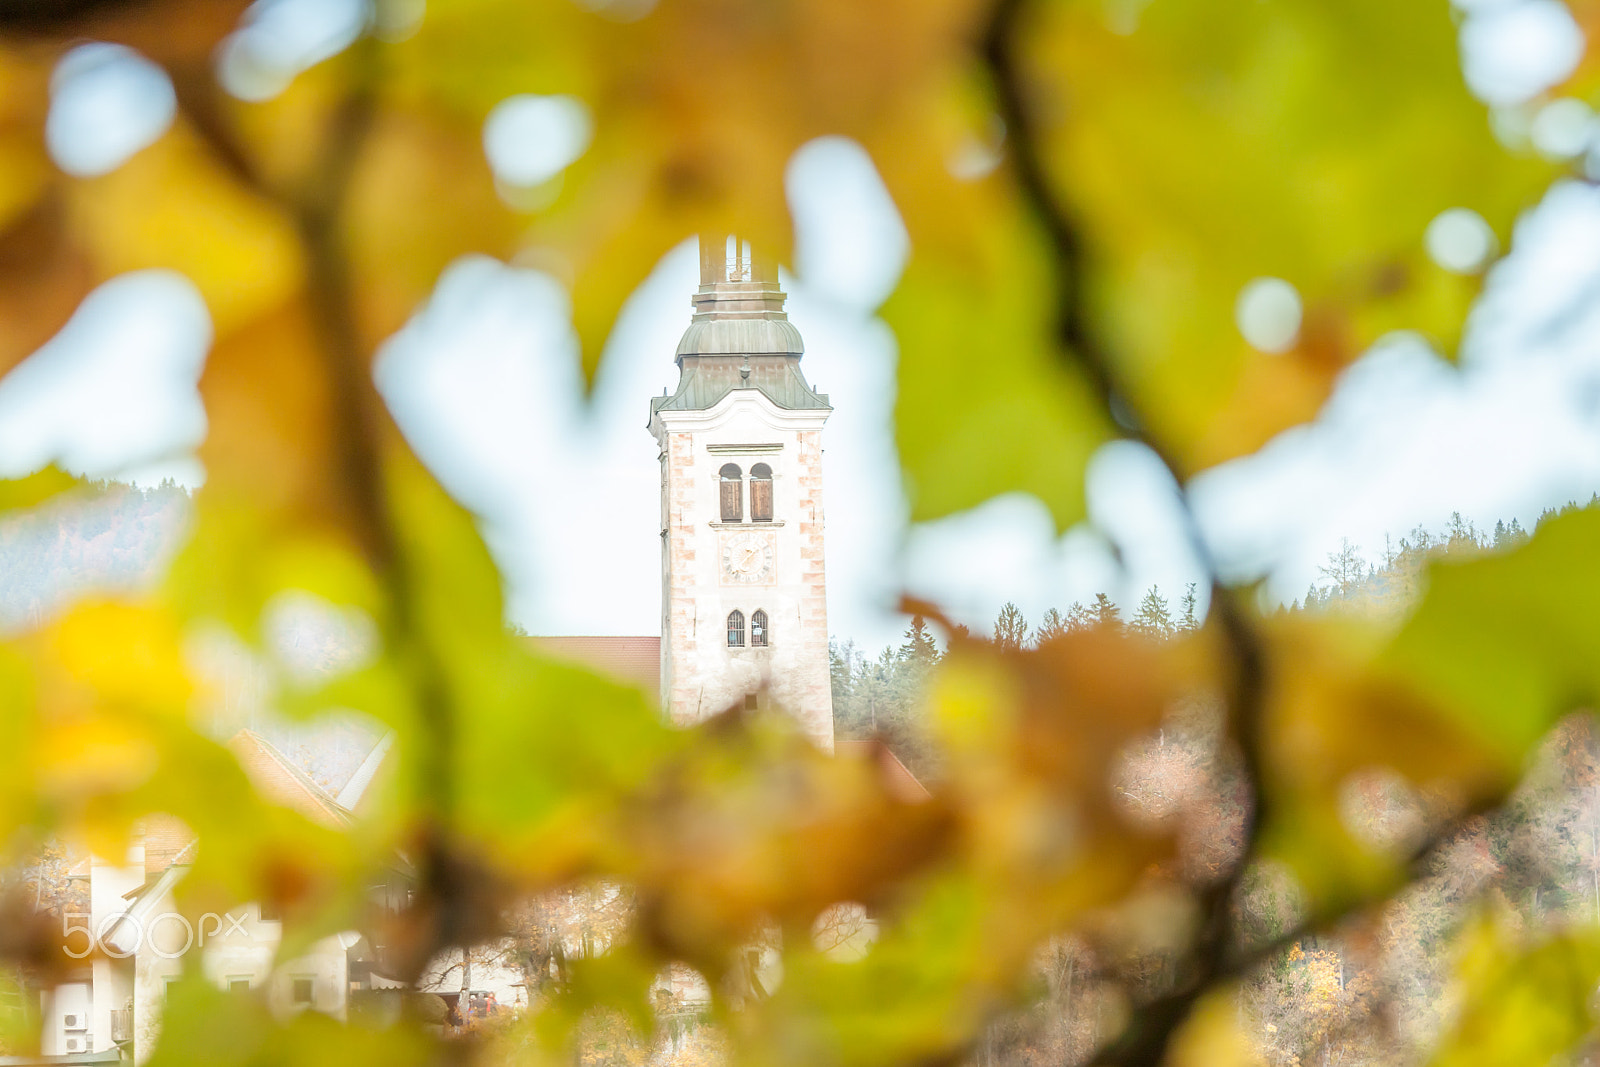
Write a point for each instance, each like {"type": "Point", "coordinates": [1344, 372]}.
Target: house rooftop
{"type": "Point", "coordinates": [631, 660]}
{"type": "Point", "coordinates": [896, 776]}
{"type": "Point", "coordinates": [279, 780]}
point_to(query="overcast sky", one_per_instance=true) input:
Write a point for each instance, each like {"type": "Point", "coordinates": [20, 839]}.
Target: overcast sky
{"type": "Point", "coordinates": [484, 382]}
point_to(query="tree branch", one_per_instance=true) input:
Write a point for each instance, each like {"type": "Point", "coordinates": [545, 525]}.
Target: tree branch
{"type": "Point", "coordinates": [317, 206]}
{"type": "Point", "coordinates": [1153, 1027]}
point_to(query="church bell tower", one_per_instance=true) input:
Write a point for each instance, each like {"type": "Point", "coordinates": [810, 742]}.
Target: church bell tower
{"type": "Point", "coordinates": [743, 599]}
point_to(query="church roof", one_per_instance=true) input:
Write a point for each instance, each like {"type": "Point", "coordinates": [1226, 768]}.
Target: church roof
{"type": "Point", "coordinates": [632, 660]}
{"type": "Point", "coordinates": [358, 787]}
{"type": "Point", "coordinates": [168, 841]}
{"type": "Point", "coordinates": [740, 336]}
{"type": "Point", "coordinates": [707, 379]}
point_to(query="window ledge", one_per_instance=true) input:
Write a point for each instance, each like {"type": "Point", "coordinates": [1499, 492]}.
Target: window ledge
{"type": "Point", "coordinates": [745, 525]}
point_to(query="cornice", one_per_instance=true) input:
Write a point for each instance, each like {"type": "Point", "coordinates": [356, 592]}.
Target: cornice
{"type": "Point", "coordinates": [734, 403]}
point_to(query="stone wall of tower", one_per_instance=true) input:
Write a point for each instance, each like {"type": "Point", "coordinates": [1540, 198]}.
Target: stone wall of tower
{"type": "Point", "coordinates": [701, 674]}
{"type": "Point", "coordinates": [679, 647]}
{"type": "Point", "coordinates": [813, 698]}
{"type": "Point", "coordinates": [742, 400]}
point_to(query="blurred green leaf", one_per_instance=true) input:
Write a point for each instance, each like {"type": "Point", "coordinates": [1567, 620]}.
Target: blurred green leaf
{"type": "Point", "coordinates": [1507, 642]}
{"type": "Point", "coordinates": [204, 1025]}
{"type": "Point", "coordinates": [1200, 146]}
{"type": "Point", "coordinates": [987, 401]}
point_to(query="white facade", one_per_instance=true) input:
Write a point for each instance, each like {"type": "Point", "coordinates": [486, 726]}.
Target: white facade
{"type": "Point", "coordinates": [144, 941]}
{"type": "Point", "coordinates": [68, 1012]}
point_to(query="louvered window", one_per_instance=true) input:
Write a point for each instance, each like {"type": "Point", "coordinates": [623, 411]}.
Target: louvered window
{"type": "Point", "coordinates": [732, 493]}
{"type": "Point", "coordinates": [758, 630]}
{"type": "Point", "coordinates": [736, 629]}
{"type": "Point", "coordinates": [761, 493]}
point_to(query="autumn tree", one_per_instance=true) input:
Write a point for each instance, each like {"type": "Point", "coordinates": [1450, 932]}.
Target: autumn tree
{"type": "Point", "coordinates": [1344, 570]}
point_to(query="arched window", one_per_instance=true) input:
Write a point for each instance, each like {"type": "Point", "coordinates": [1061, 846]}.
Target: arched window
{"type": "Point", "coordinates": [761, 493]}
{"type": "Point", "coordinates": [736, 629]}
{"type": "Point", "coordinates": [758, 630]}
{"type": "Point", "coordinates": [732, 494]}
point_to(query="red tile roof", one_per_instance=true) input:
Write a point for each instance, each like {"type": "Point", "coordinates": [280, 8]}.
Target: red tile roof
{"type": "Point", "coordinates": [633, 660]}
{"type": "Point", "coordinates": [280, 781]}
{"type": "Point", "coordinates": [168, 841]}
{"type": "Point", "coordinates": [165, 839]}
{"type": "Point", "coordinates": [897, 778]}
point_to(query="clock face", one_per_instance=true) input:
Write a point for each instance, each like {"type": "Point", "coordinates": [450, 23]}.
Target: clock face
{"type": "Point", "coordinates": [747, 558]}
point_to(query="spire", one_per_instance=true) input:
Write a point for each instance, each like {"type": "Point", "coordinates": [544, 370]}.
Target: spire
{"type": "Point", "coordinates": [739, 336]}
{"type": "Point", "coordinates": [738, 309]}
{"type": "Point", "coordinates": [735, 283]}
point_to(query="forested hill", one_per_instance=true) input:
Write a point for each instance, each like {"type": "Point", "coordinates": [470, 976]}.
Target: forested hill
{"type": "Point", "coordinates": [111, 537]}
{"type": "Point", "coordinates": [107, 537]}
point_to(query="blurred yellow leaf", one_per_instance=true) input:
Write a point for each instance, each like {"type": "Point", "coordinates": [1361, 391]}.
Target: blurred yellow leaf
{"type": "Point", "coordinates": [1334, 710]}
{"type": "Point", "coordinates": [1523, 1003]}
{"type": "Point", "coordinates": [174, 205]}
{"type": "Point", "coordinates": [129, 655]}
{"type": "Point", "coordinates": [1212, 1037]}
{"type": "Point", "coordinates": [19, 493]}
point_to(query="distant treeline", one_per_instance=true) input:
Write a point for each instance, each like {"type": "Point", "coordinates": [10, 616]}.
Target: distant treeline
{"type": "Point", "coordinates": [106, 537]}
{"type": "Point", "coordinates": [880, 695]}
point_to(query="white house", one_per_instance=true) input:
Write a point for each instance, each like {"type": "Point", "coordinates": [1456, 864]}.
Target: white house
{"type": "Point", "coordinates": [112, 1008]}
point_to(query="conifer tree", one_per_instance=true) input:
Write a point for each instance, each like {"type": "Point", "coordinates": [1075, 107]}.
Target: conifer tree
{"type": "Point", "coordinates": [916, 659]}
{"type": "Point", "coordinates": [842, 659]}
{"type": "Point", "coordinates": [1104, 612]}
{"type": "Point", "coordinates": [1153, 619]}
{"type": "Point", "coordinates": [919, 648]}
{"type": "Point", "coordinates": [877, 703]}
{"type": "Point", "coordinates": [1052, 626]}
{"type": "Point", "coordinates": [1190, 601]}
{"type": "Point", "coordinates": [1010, 628]}
{"type": "Point", "coordinates": [1345, 569]}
